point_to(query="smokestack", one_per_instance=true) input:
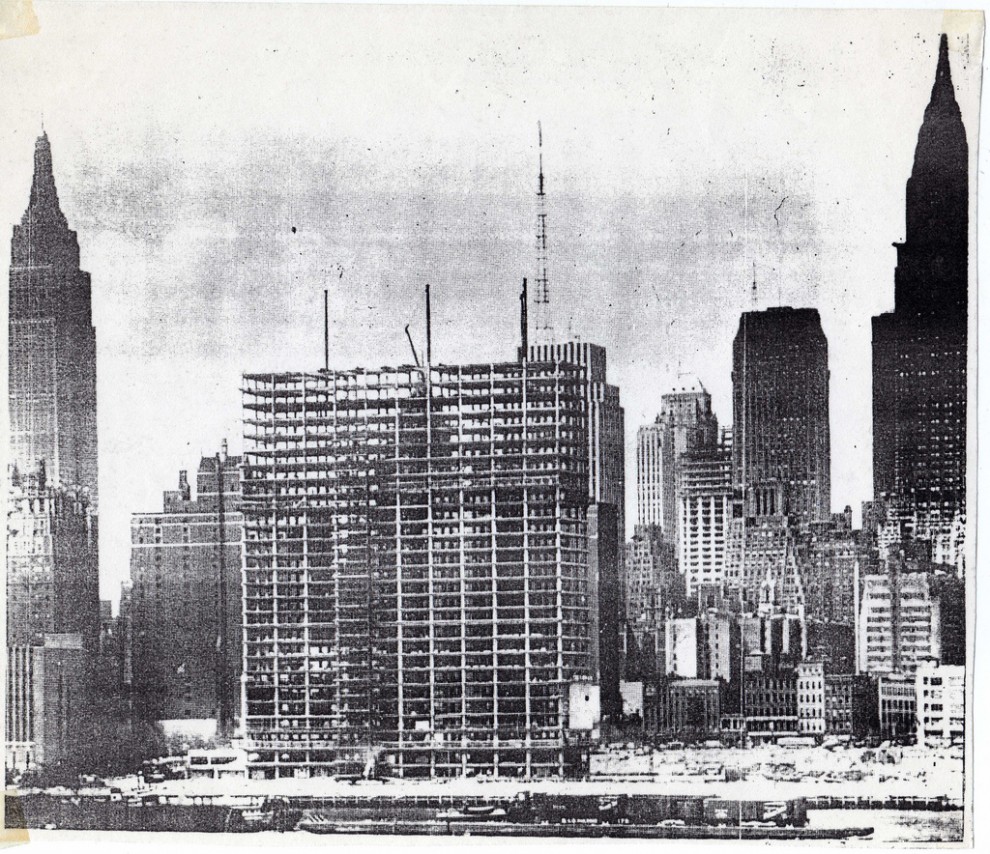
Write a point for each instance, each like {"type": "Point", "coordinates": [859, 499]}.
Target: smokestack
{"type": "Point", "coordinates": [524, 323]}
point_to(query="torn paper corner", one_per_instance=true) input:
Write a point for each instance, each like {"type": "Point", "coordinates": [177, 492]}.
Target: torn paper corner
{"type": "Point", "coordinates": [17, 19]}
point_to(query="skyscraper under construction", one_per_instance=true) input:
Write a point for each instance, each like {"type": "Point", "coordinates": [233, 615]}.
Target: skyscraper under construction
{"type": "Point", "coordinates": [420, 561]}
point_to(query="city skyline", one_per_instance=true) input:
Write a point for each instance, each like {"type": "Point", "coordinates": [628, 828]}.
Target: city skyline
{"type": "Point", "coordinates": [482, 222]}
{"type": "Point", "coordinates": [613, 462]}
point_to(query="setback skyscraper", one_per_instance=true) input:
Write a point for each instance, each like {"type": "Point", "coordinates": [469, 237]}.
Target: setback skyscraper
{"type": "Point", "coordinates": [52, 342]}
{"type": "Point", "coordinates": [691, 425]}
{"type": "Point", "coordinates": [53, 608]}
{"type": "Point", "coordinates": [919, 349]}
{"type": "Point", "coordinates": [685, 423]}
{"type": "Point", "coordinates": [649, 474]}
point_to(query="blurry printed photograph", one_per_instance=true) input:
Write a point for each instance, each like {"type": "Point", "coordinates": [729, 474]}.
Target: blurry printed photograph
{"type": "Point", "coordinates": [512, 421]}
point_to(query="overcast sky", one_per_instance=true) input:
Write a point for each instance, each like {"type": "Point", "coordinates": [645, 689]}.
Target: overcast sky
{"type": "Point", "coordinates": [223, 164]}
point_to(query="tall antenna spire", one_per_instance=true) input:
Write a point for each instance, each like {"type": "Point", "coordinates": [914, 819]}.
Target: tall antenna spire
{"type": "Point", "coordinates": [753, 292]}
{"type": "Point", "coordinates": [543, 326]}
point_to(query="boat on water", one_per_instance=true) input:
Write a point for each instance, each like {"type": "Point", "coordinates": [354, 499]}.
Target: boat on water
{"type": "Point", "coordinates": [475, 812]}
{"type": "Point", "coordinates": [319, 823]}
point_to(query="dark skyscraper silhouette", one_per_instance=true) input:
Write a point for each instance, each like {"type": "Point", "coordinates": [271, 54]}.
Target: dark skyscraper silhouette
{"type": "Point", "coordinates": [931, 276]}
{"type": "Point", "coordinates": [52, 342]}
{"type": "Point", "coordinates": [781, 447]}
{"type": "Point", "coordinates": [919, 349]}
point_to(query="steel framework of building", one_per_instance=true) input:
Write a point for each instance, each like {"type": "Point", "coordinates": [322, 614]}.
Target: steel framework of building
{"type": "Point", "coordinates": [416, 568]}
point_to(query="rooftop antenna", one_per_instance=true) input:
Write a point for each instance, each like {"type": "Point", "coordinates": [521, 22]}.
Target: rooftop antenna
{"type": "Point", "coordinates": [326, 329]}
{"type": "Point", "coordinates": [429, 330]}
{"type": "Point", "coordinates": [753, 291]}
{"type": "Point", "coordinates": [542, 300]}
{"type": "Point", "coordinates": [524, 322]}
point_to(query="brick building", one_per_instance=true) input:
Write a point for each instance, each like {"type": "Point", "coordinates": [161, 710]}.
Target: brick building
{"type": "Point", "coordinates": [185, 601]}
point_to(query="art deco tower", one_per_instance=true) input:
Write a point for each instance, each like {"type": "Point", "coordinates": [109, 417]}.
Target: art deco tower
{"type": "Point", "coordinates": [52, 342]}
{"type": "Point", "coordinates": [919, 349]}
{"type": "Point", "coordinates": [53, 601]}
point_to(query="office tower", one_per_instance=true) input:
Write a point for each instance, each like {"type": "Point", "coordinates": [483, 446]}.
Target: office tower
{"type": "Point", "coordinates": [418, 583]}
{"type": "Point", "coordinates": [52, 347]}
{"type": "Point", "coordinates": [700, 647]}
{"type": "Point", "coordinates": [899, 623]}
{"type": "Point", "coordinates": [919, 349]}
{"type": "Point", "coordinates": [46, 702]}
{"type": "Point", "coordinates": [940, 692]}
{"type": "Point", "coordinates": [704, 489]}
{"type": "Point", "coordinates": [685, 423]}
{"type": "Point", "coordinates": [52, 569]}
{"type": "Point", "coordinates": [606, 422]}
{"type": "Point", "coordinates": [52, 573]}
{"type": "Point", "coordinates": [184, 607]}
{"type": "Point", "coordinates": [53, 617]}
{"type": "Point", "coordinates": [832, 557]}
{"type": "Point", "coordinates": [686, 412]}
{"type": "Point", "coordinates": [950, 590]}
{"type": "Point", "coordinates": [780, 414]}
{"type": "Point", "coordinates": [605, 603]}
{"type": "Point", "coordinates": [53, 620]}
{"type": "Point", "coordinates": [649, 474]}
{"type": "Point", "coordinates": [654, 590]}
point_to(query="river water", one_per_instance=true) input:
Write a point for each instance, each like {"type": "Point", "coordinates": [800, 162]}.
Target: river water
{"type": "Point", "coordinates": [890, 827]}
{"type": "Point", "coordinates": [895, 826]}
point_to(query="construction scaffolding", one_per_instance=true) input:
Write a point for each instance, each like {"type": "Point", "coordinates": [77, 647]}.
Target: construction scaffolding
{"type": "Point", "coordinates": [416, 580]}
